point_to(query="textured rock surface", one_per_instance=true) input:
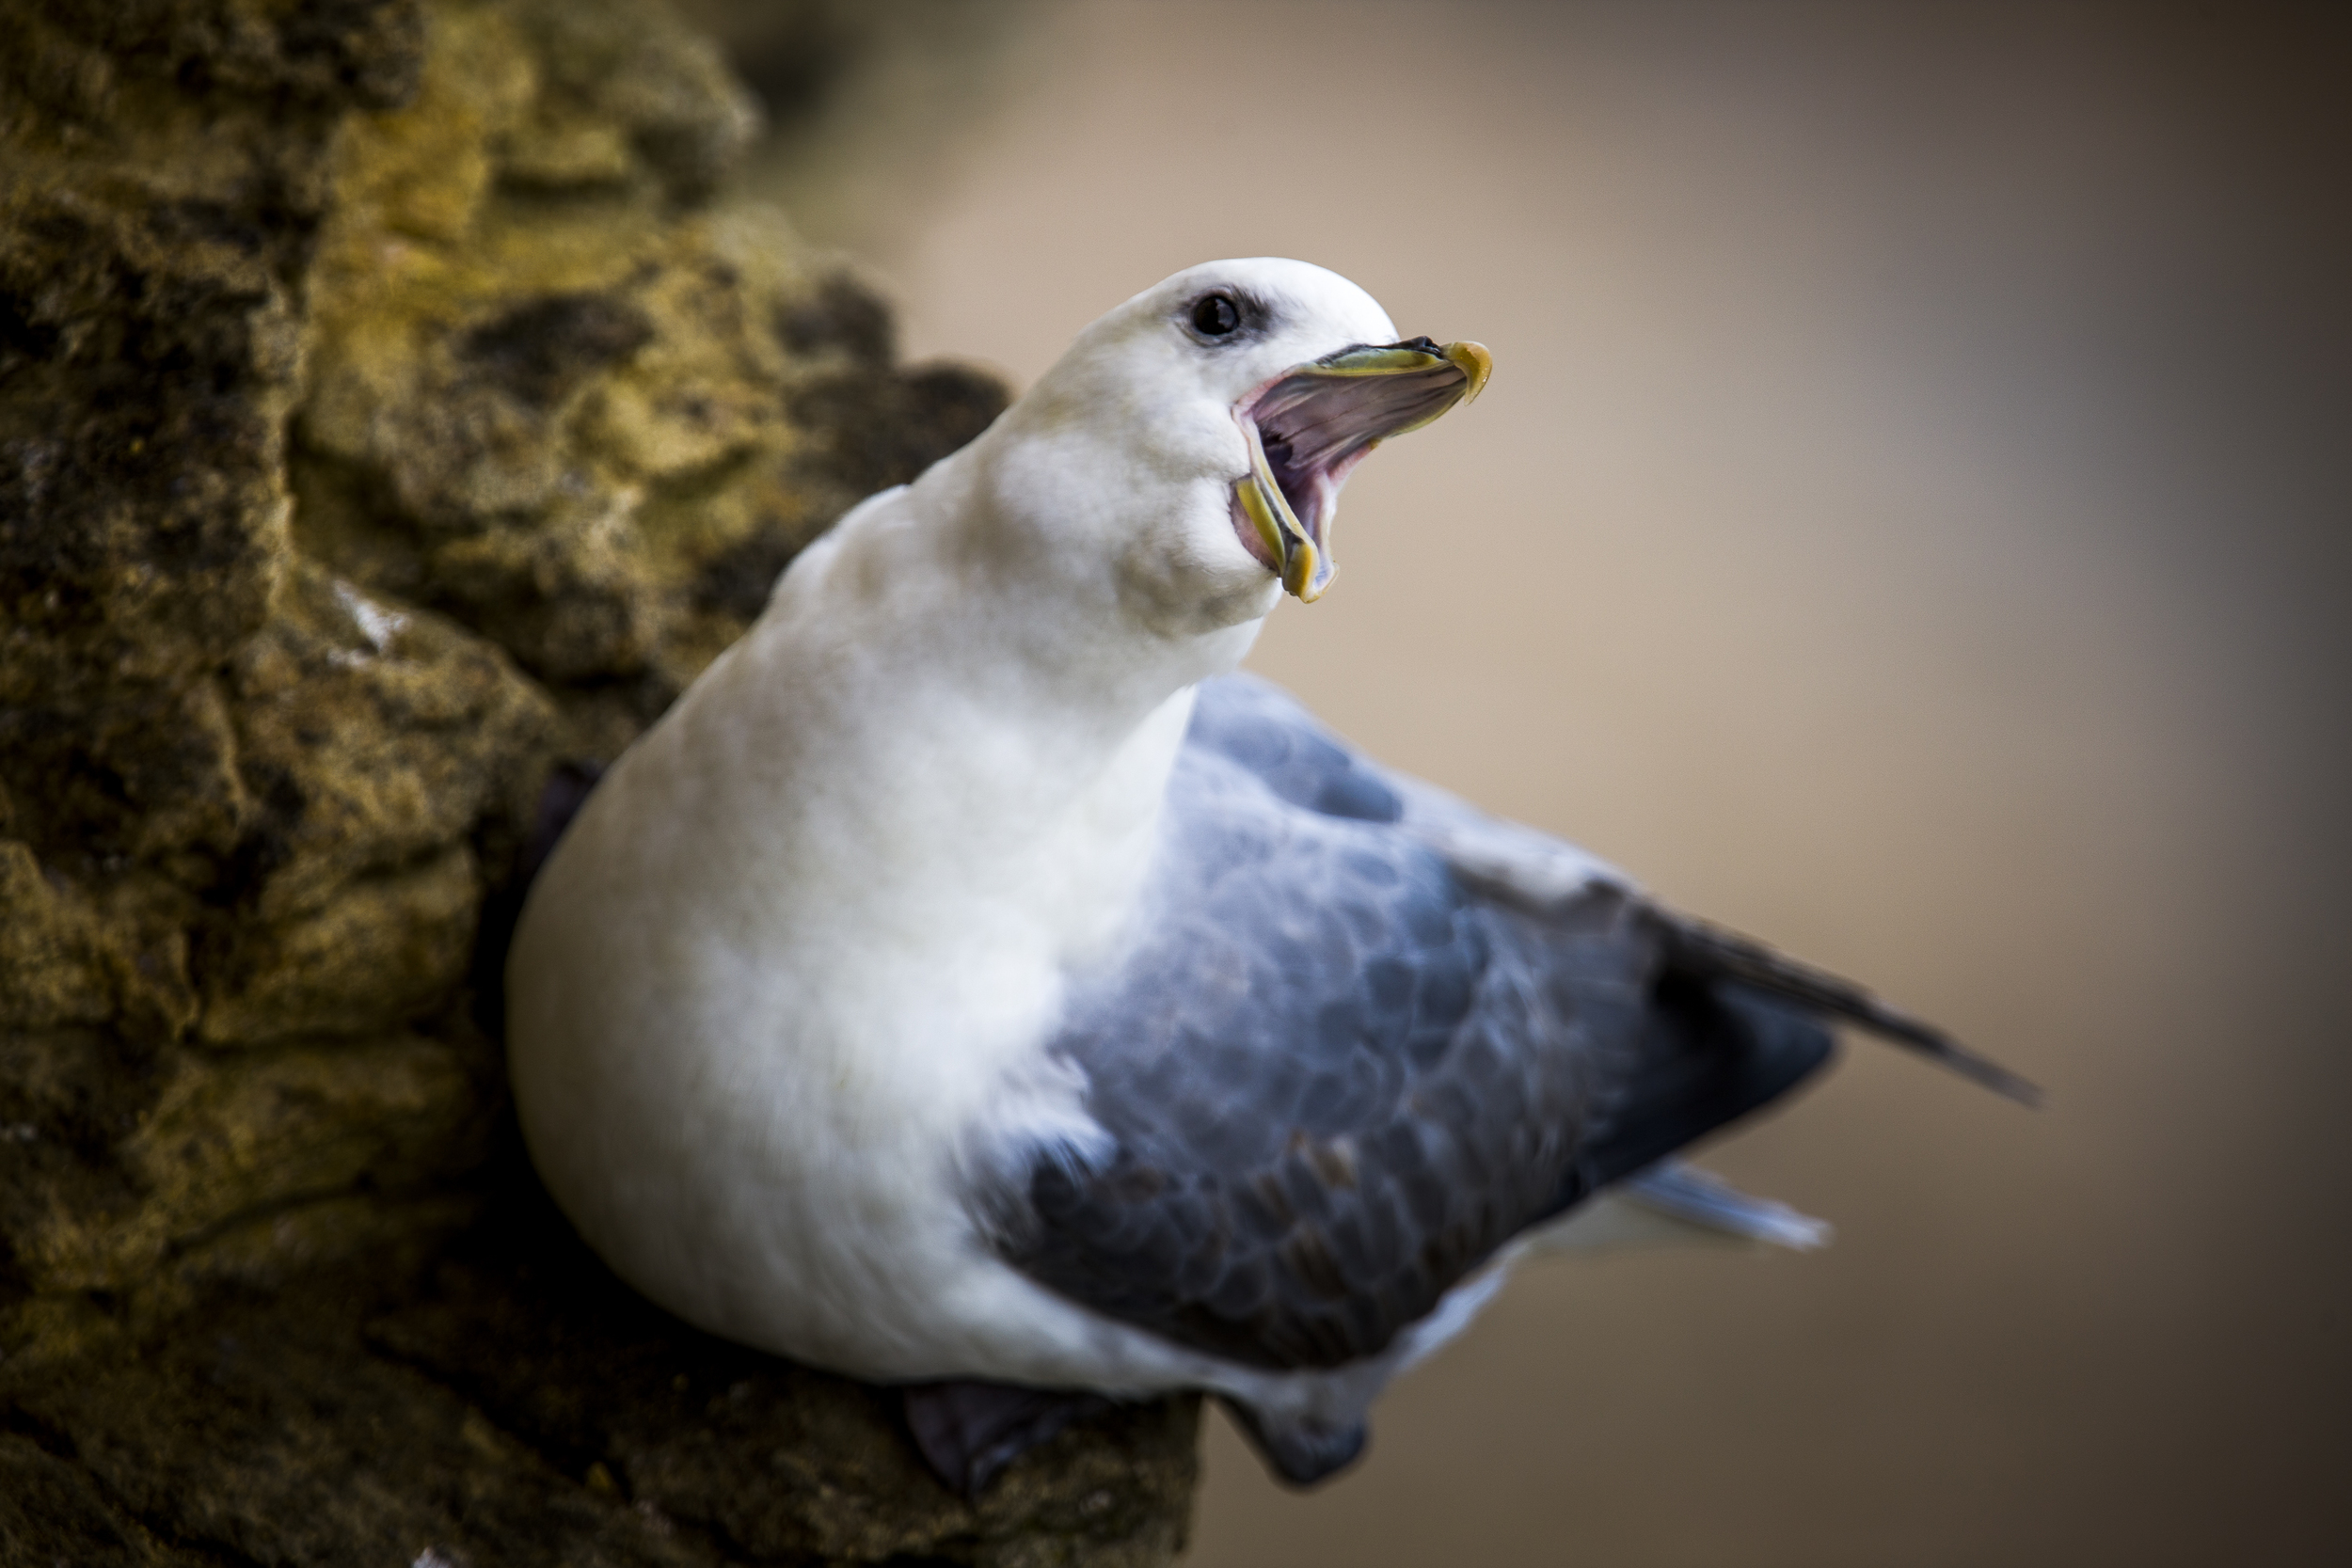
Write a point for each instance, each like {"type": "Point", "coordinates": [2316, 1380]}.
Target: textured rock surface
{"type": "Point", "coordinates": [389, 407]}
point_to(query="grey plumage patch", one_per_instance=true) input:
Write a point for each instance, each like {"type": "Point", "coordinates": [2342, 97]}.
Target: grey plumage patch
{"type": "Point", "coordinates": [1363, 1037]}
{"type": "Point", "coordinates": [1337, 1079]}
{"type": "Point", "coordinates": [1269, 735]}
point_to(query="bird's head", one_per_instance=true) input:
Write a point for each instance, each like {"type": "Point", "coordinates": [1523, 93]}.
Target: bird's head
{"type": "Point", "coordinates": [1194, 438]}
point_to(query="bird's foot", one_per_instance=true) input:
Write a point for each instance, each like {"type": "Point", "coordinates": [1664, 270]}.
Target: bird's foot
{"type": "Point", "coordinates": [968, 1430]}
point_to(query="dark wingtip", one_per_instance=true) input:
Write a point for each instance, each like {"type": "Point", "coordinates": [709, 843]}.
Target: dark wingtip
{"type": "Point", "coordinates": [1711, 948]}
{"type": "Point", "coordinates": [1951, 1055]}
{"type": "Point", "coordinates": [1865, 1011]}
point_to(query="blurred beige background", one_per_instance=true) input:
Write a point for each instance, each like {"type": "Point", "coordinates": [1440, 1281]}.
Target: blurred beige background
{"type": "Point", "coordinates": [1911, 521]}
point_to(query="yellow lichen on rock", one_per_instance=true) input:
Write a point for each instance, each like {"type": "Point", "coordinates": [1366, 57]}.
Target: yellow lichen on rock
{"type": "Point", "coordinates": [54, 963]}
{"type": "Point", "coordinates": [522, 355]}
{"type": "Point", "coordinates": [389, 409]}
{"type": "Point", "coordinates": [377, 735]}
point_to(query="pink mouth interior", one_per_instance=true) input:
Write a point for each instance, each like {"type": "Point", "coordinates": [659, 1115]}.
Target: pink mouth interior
{"type": "Point", "coordinates": [1317, 426]}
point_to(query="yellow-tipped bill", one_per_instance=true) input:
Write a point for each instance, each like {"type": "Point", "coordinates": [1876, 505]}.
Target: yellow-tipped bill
{"type": "Point", "coordinates": [1308, 427]}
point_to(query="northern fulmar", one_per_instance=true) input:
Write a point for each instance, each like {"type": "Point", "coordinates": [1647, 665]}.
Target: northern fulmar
{"type": "Point", "coordinates": [973, 984]}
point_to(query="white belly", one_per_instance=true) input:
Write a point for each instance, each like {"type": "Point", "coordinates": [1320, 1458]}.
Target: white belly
{"type": "Point", "coordinates": [766, 1077]}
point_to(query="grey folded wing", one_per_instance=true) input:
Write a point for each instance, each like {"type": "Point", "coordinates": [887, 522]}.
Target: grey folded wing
{"type": "Point", "coordinates": [1339, 1071]}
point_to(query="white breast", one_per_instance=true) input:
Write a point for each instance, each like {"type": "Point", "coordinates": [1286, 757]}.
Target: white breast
{"type": "Point", "coordinates": [787, 981]}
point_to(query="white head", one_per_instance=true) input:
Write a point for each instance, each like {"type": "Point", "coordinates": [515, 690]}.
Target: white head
{"type": "Point", "coordinates": [1186, 453]}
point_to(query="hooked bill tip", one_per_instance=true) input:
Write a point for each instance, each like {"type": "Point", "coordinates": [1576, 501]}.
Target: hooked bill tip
{"type": "Point", "coordinates": [1475, 362]}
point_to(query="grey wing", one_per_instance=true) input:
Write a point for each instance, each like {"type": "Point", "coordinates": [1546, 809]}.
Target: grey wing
{"type": "Point", "coordinates": [1264, 728]}
{"type": "Point", "coordinates": [1339, 1073]}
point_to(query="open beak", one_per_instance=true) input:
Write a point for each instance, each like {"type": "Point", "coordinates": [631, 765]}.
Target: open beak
{"type": "Point", "coordinates": [1308, 427]}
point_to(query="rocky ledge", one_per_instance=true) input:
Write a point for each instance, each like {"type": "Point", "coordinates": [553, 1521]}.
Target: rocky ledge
{"type": "Point", "coordinates": [392, 405]}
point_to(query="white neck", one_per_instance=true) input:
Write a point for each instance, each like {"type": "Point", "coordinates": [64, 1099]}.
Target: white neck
{"type": "Point", "coordinates": [920, 704]}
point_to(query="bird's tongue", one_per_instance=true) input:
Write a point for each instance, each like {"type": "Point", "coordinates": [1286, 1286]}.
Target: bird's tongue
{"type": "Point", "coordinates": [1306, 428]}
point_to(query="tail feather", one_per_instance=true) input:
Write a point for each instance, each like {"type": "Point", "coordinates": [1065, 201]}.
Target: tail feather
{"type": "Point", "coordinates": [1702, 1198]}
{"type": "Point", "coordinates": [1675, 1205]}
{"type": "Point", "coordinates": [1711, 952]}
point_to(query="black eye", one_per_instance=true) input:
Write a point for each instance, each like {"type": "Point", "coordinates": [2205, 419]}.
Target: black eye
{"type": "Point", "coordinates": [1215, 315]}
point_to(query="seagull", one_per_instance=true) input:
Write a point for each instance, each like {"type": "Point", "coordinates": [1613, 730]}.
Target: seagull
{"type": "Point", "coordinates": [973, 984]}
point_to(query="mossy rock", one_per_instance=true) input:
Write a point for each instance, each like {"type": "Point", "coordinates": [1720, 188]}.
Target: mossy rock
{"type": "Point", "coordinates": [391, 408]}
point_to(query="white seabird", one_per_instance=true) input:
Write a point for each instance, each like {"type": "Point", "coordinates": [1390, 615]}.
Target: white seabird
{"type": "Point", "coordinates": [972, 983]}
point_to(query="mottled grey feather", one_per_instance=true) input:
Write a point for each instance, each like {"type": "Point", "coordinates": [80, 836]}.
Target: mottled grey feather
{"type": "Point", "coordinates": [1339, 1076]}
